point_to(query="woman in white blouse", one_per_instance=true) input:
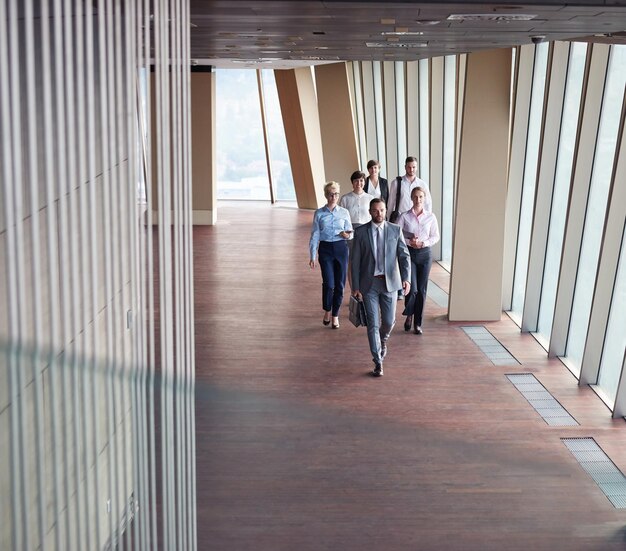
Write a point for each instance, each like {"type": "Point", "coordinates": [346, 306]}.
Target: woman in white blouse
{"type": "Point", "coordinates": [421, 231]}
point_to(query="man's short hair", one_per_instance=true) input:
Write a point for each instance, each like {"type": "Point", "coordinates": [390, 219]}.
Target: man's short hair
{"type": "Point", "coordinates": [377, 200]}
{"type": "Point", "coordinates": [410, 160]}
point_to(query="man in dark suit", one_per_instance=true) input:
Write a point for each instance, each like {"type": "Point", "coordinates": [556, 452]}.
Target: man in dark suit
{"type": "Point", "coordinates": [375, 184]}
{"type": "Point", "coordinates": [380, 268]}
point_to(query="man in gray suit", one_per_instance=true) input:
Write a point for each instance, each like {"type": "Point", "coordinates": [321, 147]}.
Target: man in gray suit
{"type": "Point", "coordinates": [380, 268]}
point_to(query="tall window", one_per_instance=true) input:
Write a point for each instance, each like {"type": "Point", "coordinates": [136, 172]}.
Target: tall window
{"type": "Point", "coordinates": [596, 206]}
{"type": "Point", "coordinates": [401, 112]}
{"type": "Point", "coordinates": [530, 178]}
{"type": "Point", "coordinates": [379, 109]}
{"type": "Point", "coordinates": [615, 340]}
{"type": "Point", "coordinates": [359, 115]}
{"type": "Point", "coordinates": [241, 161]}
{"type": "Point", "coordinates": [449, 142]}
{"type": "Point", "coordinates": [424, 121]}
{"type": "Point", "coordinates": [560, 193]}
{"type": "Point", "coordinates": [279, 155]}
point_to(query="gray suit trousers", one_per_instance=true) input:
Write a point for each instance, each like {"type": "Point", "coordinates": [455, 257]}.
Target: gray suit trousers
{"type": "Point", "coordinates": [380, 306]}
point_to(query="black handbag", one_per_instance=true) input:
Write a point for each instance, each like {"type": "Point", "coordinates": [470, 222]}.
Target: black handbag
{"type": "Point", "coordinates": [357, 314]}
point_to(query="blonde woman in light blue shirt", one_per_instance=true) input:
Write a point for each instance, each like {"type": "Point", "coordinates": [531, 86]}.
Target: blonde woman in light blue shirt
{"type": "Point", "coordinates": [332, 228]}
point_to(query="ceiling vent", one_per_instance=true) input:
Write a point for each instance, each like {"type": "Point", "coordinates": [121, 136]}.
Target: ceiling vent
{"type": "Point", "coordinates": [490, 17]}
{"type": "Point", "coordinates": [396, 44]}
{"type": "Point", "coordinates": [317, 58]}
{"type": "Point", "coordinates": [402, 33]}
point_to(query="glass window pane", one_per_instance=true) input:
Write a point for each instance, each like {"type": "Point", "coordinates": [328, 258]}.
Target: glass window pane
{"type": "Point", "coordinates": [142, 135]}
{"type": "Point", "coordinates": [530, 178]}
{"type": "Point", "coordinates": [380, 116]}
{"type": "Point", "coordinates": [279, 155]}
{"type": "Point", "coordinates": [241, 165]}
{"type": "Point", "coordinates": [359, 117]}
{"type": "Point", "coordinates": [560, 193]}
{"type": "Point", "coordinates": [615, 340]}
{"type": "Point", "coordinates": [424, 121]}
{"type": "Point", "coordinates": [596, 206]}
{"type": "Point", "coordinates": [447, 207]}
{"type": "Point", "coordinates": [400, 68]}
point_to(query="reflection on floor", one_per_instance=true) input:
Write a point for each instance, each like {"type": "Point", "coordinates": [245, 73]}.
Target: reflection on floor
{"type": "Point", "coordinates": [298, 447]}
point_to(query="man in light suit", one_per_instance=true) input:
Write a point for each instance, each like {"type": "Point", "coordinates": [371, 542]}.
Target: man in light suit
{"type": "Point", "coordinates": [381, 267]}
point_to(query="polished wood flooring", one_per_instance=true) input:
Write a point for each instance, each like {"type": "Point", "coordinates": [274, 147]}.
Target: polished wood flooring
{"type": "Point", "coordinates": [299, 448]}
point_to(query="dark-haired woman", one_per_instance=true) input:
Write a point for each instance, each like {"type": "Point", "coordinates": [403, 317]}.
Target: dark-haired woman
{"type": "Point", "coordinates": [375, 184]}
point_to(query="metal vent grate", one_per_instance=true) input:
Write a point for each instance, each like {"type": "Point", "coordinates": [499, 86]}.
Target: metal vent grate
{"type": "Point", "coordinates": [437, 294]}
{"type": "Point", "coordinates": [600, 468]}
{"type": "Point", "coordinates": [553, 413]}
{"type": "Point", "coordinates": [489, 345]}
{"type": "Point", "coordinates": [396, 44]}
{"type": "Point", "coordinates": [490, 17]}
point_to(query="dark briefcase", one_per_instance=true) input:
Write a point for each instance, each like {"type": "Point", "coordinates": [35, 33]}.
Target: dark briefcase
{"type": "Point", "coordinates": [357, 313]}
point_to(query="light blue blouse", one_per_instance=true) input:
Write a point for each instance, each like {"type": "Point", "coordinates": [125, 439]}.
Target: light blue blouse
{"type": "Point", "coordinates": [327, 224]}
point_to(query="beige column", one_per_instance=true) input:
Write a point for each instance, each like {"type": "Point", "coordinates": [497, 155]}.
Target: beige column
{"type": "Point", "coordinates": [298, 104]}
{"type": "Point", "coordinates": [203, 156]}
{"type": "Point", "coordinates": [334, 104]}
{"type": "Point", "coordinates": [478, 243]}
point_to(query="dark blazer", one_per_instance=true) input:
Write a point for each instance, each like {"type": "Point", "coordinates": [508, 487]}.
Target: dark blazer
{"type": "Point", "coordinates": [397, 259]}
{"type": "Point", "coordinates": [384, 188]}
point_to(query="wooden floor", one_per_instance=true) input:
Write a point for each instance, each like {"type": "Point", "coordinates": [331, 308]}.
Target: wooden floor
{"type": "Point", "coordinates": [299, 448]}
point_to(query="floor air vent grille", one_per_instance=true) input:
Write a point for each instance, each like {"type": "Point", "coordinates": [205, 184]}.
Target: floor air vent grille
{"type": "Point", "coordinates": [542, 401]}
{"type": "Point", "coordinates": [489, 345]}
{"type": "Point", "coordinates": [600, 468]}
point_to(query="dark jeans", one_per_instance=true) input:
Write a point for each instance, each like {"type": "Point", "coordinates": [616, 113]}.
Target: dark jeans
{"type": "Point", "coordinates": [421, 261]}
{"type": "Point", "coordinates": [333, 259]}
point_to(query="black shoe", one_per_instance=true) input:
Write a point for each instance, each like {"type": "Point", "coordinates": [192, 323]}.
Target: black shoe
{"type": "Point", "coordinates": [378, 370]}
{"type": "Point", "coordinates": [326, 321]}
{"type": "Point", "coordinates": [408, 322]}
{"type": "Point", "coordinates": [383, 350]}
{"type": "Point", "coordinates": [418, 330]}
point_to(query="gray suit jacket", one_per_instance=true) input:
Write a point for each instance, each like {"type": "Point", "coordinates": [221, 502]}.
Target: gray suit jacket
{"type": "Point", "coordinates": [397, 259]}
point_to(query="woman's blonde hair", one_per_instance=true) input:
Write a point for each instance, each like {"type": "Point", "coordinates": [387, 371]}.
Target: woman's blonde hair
{"type": "Point", "coordinates": [331, 185]}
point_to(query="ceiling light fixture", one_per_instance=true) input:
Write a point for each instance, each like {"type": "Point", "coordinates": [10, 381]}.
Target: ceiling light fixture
{"type": "Point", "coordinates": [402, 33]}
{"type": "Point", "coordinates": [318, 58]}
{"type": "Point", "coordinates": [490, 17]}
{"type": "Point", "coordinates": [396, 44]}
